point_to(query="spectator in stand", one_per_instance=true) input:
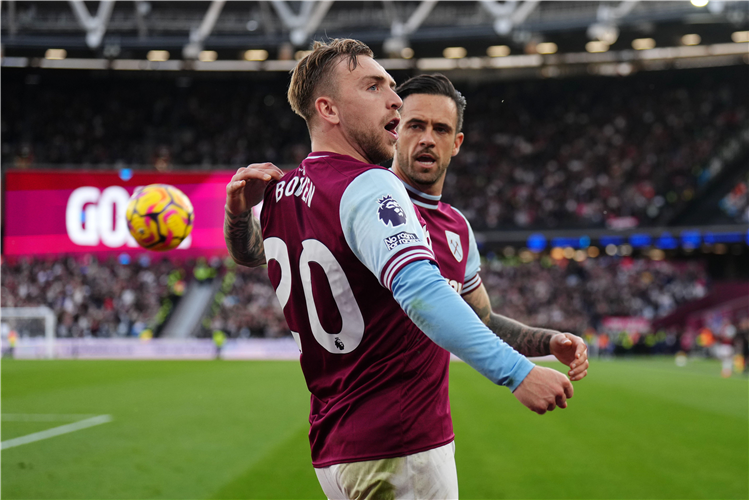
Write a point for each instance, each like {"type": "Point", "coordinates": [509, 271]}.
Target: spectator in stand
{"type": "Point", "coordinates": [90, 297]}
{"type": "Point", "coordinates": [564, 295]}
{"type": "Point", "coordinates": [250, 307]}
{"type": "Point", "coordinates": [566, 153]}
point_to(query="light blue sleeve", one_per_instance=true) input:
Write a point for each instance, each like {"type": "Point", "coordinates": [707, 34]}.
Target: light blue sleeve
{"type": "Point", "coordinates": [445, 318]}
{"type": "Point", "coordinates": [380, 224]}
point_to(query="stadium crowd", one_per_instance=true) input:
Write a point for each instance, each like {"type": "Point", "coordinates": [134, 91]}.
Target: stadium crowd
{"type": "Point", "coordinates": [574, 296]}
{"type": "Point", "coordinates": [614, 151]}
{"type": "Point", "coordinates": [109, 298]}
{"type": "Point", "coordinates": [246, 306]}
{"type": "Point", "coordinates": [90, 297]}
{"type": "Point", "coordinates": [540, 153]}
{"type": "Point", "coordinates": [565, 295]}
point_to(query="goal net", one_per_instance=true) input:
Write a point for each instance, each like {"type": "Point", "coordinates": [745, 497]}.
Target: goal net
{"type": "Point", "coordinates": [34, 328]}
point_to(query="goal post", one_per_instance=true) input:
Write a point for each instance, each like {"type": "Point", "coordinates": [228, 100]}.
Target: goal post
{"type": "Point", "coordinates": [10, 316]}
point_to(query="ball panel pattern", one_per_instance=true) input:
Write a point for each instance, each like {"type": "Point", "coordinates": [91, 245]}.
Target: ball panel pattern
{"type": "Point", "coordinates": [159, 217]}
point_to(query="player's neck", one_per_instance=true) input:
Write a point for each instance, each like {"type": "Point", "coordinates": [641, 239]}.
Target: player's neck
{"type": "Point", "coordinates": [335, 143]}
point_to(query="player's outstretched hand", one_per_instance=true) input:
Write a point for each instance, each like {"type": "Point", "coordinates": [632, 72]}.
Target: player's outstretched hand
{"type": "Point", "coordinates": [572, 351]}
{"type": "Point", "coordinates": [245, 190]}
{"type": "Point", "coordinates": [544, 389]}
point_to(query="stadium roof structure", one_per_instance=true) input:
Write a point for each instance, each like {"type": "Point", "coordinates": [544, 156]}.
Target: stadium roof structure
{"type": "Point", "coordinates": [128, 29]}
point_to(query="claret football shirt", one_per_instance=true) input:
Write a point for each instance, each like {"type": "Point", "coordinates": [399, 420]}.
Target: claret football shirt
{"type": "Point", "coordinates": [451, 239]}
{"type": "Point", "coordinates": [336, 233]}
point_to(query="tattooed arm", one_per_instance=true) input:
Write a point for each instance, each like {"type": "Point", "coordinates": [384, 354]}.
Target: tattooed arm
{"type": "Point", "coordinates": [569, 349]}
{"type": "Point", "coordinates": [242, 231]}
{"type": "Point", "coordinates": [244, 239]}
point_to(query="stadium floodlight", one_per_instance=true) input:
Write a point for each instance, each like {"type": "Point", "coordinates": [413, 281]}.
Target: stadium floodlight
{"type": "Point", "coordinates": [454, 52]}
{"type": "Point", "coordinates": [56, 54]}
{"type": "Point", "coordinates": [740, 36]}
{"type": "Point", "coordinates": [700, 3]}
{"type": "Point", "coordinates": [691, 39]}
{"type": "Point", "coordinates": [547, 48]}
{"type": "Point", "coordinates": [643, 43]}
{"type": "Point", "coordinates": [595, 47]}
{"type": "Point", "coordinates": [157, 55]}
{"type": "Point", "coordinates": [498, 51]}
{"type": "Point", "coordinates": [255, 55]}
{"type": "Point", "coordinates": [207, 55]}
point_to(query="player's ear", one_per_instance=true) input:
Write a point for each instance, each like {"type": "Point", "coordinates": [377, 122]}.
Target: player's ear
{"type": "Point", "coordinates": [327, 110]}
{"type": "Point", "coordinates": [458, 141]}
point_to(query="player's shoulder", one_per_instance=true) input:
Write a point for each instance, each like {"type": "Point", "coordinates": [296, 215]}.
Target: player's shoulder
{"type": "Point", "coordinates": [345, 165]}
{"type": "Point", "coordinates": [459, 215]}
{"type": "Point", "coordinates": [377, 179]}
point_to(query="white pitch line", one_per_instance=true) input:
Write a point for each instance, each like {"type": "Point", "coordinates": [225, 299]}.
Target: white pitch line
{"type": "Point", "coordinates": [43, 417]}
{"type": "Point", "coordinates": [55, 431]}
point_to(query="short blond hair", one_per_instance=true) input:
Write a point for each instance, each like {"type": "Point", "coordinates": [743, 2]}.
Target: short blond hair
{"type": "Point", "coordinates": [314, 72]}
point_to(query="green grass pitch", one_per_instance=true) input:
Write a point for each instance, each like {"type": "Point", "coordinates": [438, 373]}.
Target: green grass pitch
{"type": "Point", "coordinates": [635, 429]}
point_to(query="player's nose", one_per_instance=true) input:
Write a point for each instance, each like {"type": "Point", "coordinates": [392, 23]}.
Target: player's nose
{"type": "Point", "coordinates": [394, 101]}
{"type": "Point", "coordinates": [427, 138]}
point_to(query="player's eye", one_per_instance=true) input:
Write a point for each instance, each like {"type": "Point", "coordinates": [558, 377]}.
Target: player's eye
{"type": "Point", "coordinates": [373, 87]}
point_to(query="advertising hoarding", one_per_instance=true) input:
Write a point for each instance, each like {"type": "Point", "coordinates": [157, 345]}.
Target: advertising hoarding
{"type": "Point", "coordinates": [64, 212]}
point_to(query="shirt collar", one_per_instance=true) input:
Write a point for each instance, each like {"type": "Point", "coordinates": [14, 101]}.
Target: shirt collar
{"type": "Point", "coordinates": [422, 199]}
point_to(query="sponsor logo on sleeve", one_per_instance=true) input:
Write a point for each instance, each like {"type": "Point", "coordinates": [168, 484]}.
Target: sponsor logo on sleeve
{"type": "Point", "coordinates": [402, 238]}
{"type": "Point", "coordinates": [390, 212]}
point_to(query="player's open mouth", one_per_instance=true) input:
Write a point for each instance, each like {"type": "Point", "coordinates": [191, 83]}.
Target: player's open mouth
{"type": "Point", "coordinates": [426, 160]}
{"type": "Point", "coordinates": [391, 126]}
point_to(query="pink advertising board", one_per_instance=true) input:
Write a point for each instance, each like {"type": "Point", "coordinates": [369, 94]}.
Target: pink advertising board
{"type": "Point", "coordinates": [64, 212]}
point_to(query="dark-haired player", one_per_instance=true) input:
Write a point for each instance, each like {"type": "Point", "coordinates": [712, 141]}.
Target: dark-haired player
{"type": "Point", "coordinates": [360, 288]}
{"type": "Point", "coordinates": [429, 135]}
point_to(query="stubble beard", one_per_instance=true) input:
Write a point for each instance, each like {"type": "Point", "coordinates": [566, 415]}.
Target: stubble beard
{"type": "Point", "coordinates": [426, 179]}
{"type": "Point", "coordinates": [373, 148]}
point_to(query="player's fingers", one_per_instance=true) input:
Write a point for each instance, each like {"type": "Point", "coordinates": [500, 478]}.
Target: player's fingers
{"type": "Point", "coordinates": [234, 187]}
{"type": "Point", "coordinates": [569, 391]}
{"type": "Point", "coordinates": [262, 171]}
{"type": "Point", "coordinates": [551, 407]}
{"type": "Point", "coordinates": [253, 174]}
{"type": "Point", "coordinates": [580, 376]}
{"type": "Point", "coordinates": [581, 351]}
{"type": "Point", "coordinates": [578, 369]}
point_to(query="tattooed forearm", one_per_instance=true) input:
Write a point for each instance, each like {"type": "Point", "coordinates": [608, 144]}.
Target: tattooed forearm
{"type": "Point", "coordinates": [526, 340]}
{"type": "Point", "coordinates": [244, 239]}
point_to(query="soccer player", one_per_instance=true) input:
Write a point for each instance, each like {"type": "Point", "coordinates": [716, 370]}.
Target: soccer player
{"type": "Point", "coordinates": [362, 293]}
{"type": "Point", "coordinates": [429, 135]}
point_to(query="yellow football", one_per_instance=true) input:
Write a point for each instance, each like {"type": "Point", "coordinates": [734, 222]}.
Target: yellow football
{"type": "Point", "coordinates": [159, 217]}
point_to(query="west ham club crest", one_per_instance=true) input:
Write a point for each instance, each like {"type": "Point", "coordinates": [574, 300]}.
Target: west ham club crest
{"type": "Point", "coordinates": [453, 241]}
